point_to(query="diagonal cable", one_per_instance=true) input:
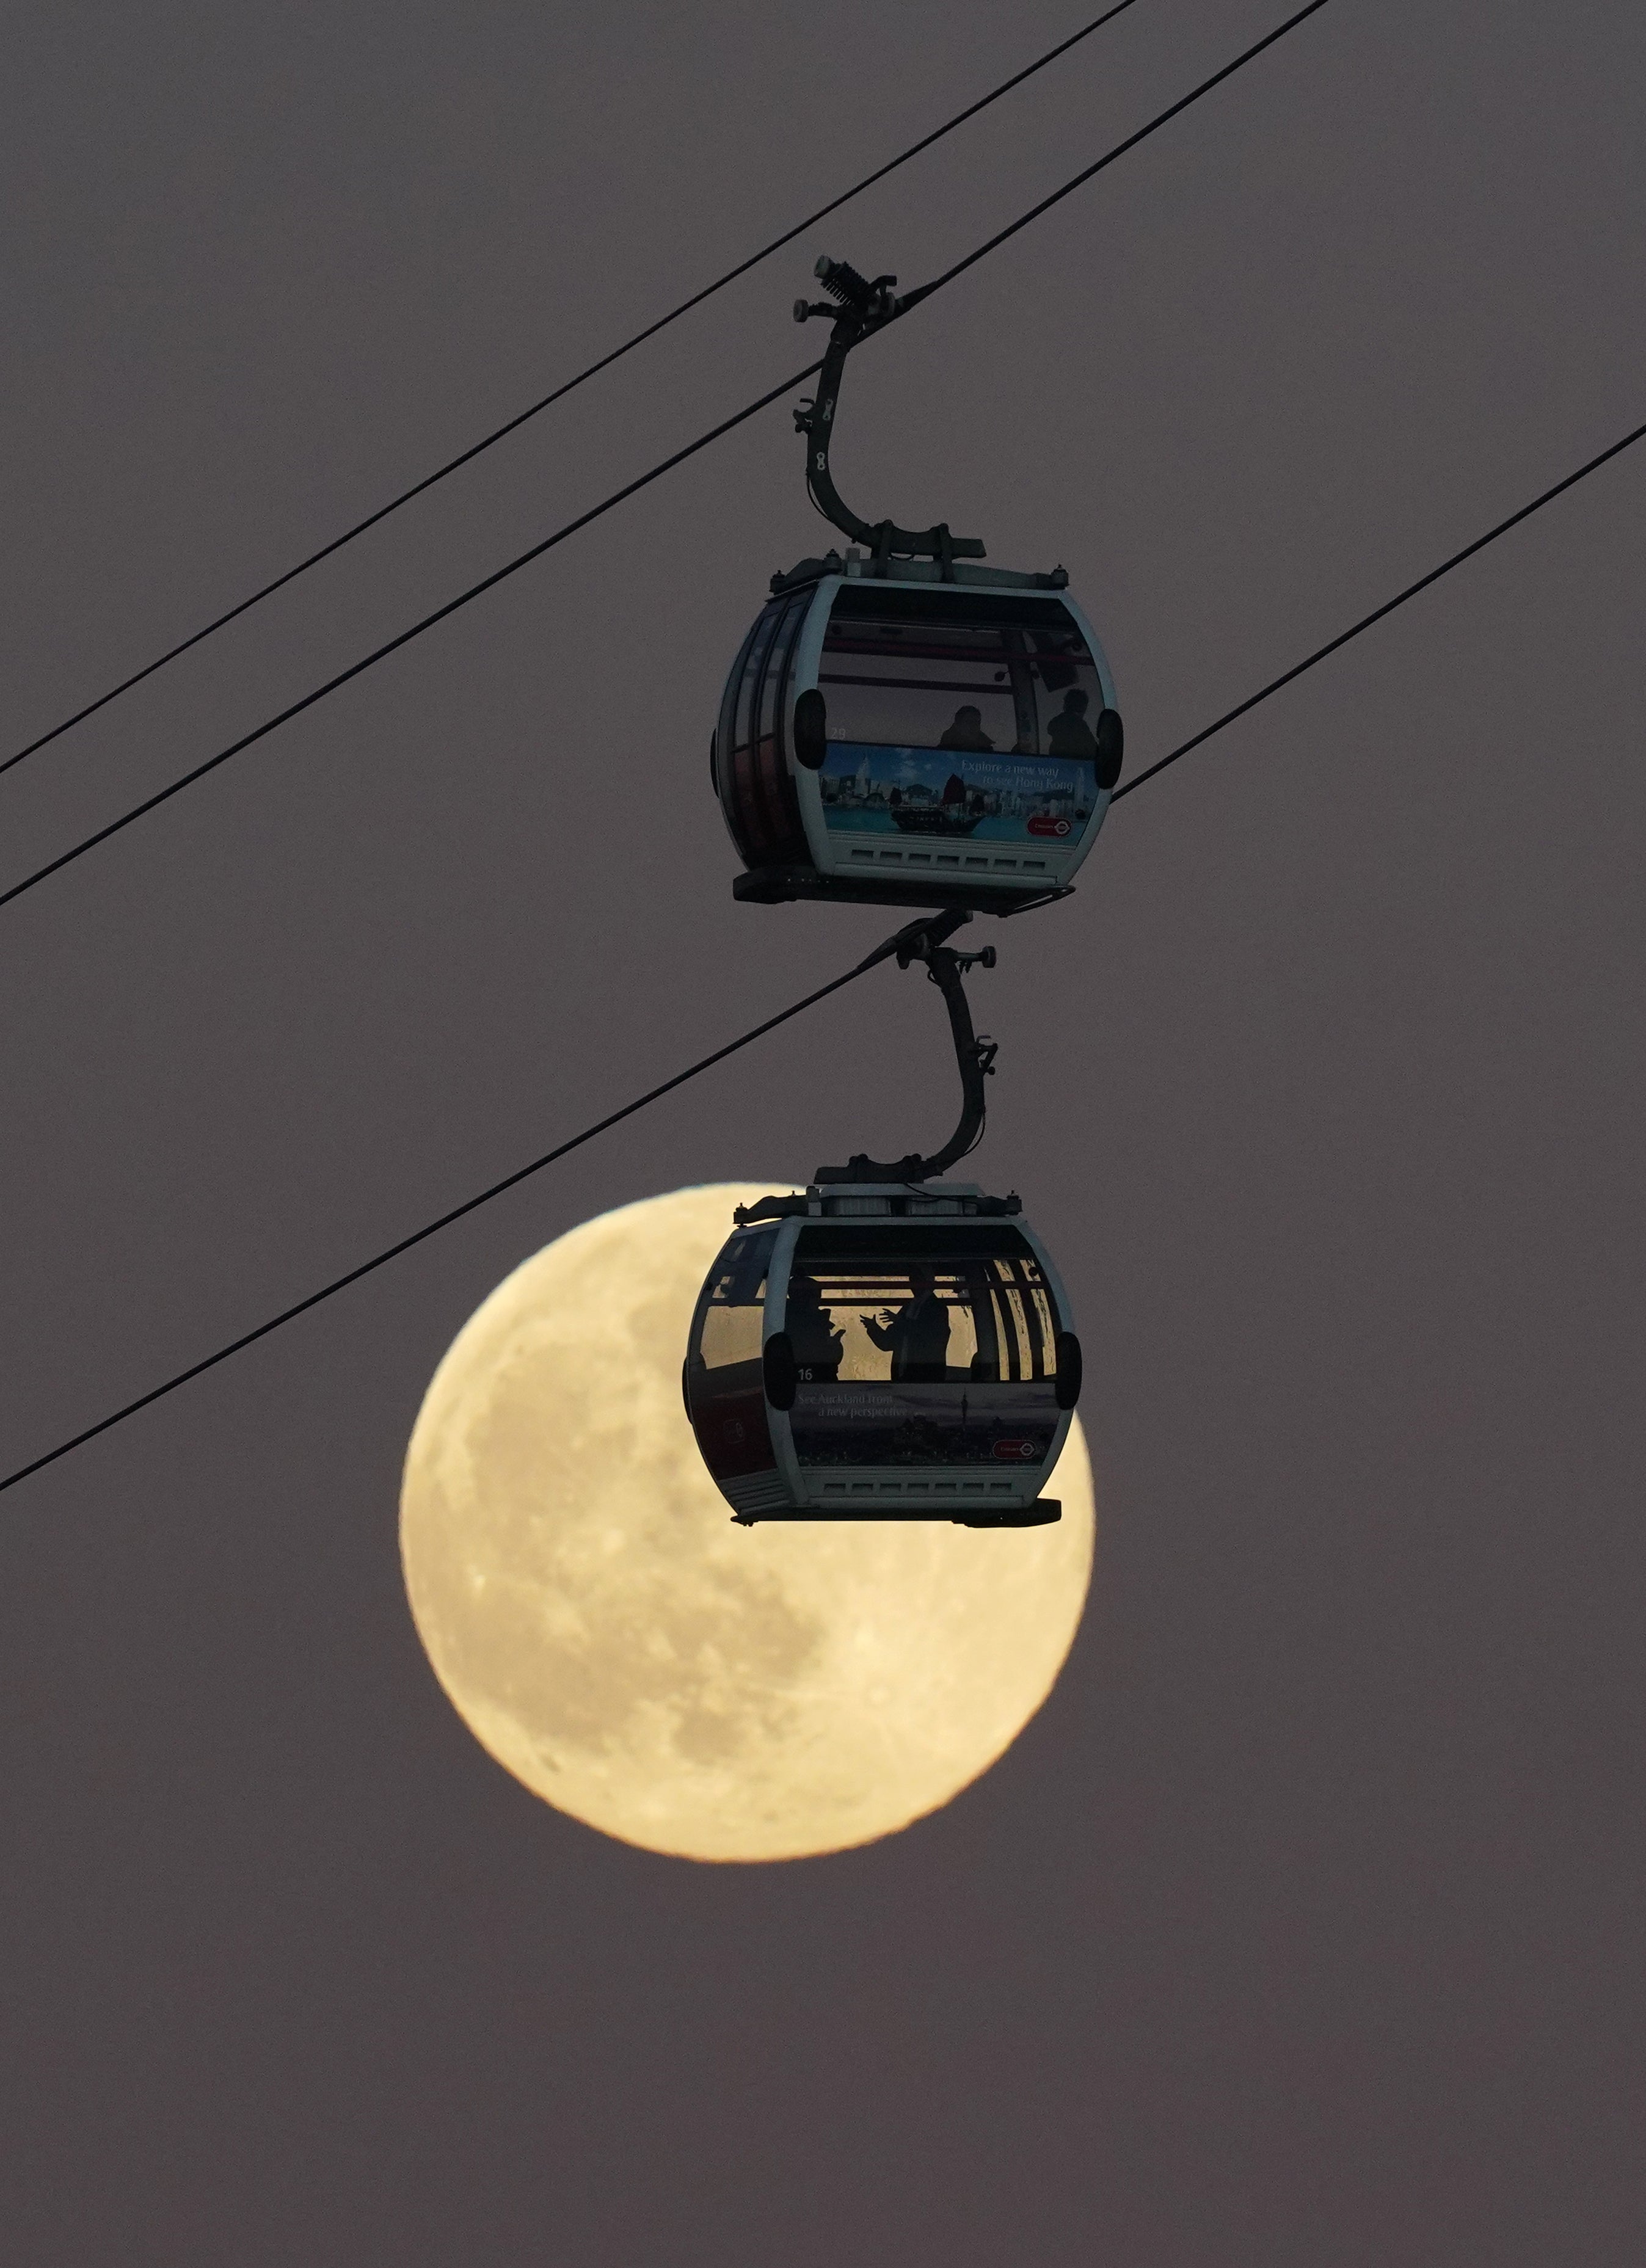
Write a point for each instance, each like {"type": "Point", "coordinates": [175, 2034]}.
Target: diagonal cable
{"type": "Point", "coordinates": [392, 646]}
{"type": "Point", "coordinates": [569, 385]}
{"type": "Point", "coordinates": [1119, 150]}
{"type": "Point", "coordinates": [881, 952]}
{"type": "Point", "coordinates": [1388, 605]}
{"type": "Point", "coordinates": [433, 1228]}
{"type": "Point", "coordinates": [489, 582]}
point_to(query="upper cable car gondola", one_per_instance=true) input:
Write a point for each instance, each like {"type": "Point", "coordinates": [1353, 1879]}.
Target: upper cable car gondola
{"type": "Point", "coordinates": [903, 726]}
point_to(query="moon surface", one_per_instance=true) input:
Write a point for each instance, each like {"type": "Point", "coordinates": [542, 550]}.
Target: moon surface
{"type": "Point", "coordinates": [609, 1635]}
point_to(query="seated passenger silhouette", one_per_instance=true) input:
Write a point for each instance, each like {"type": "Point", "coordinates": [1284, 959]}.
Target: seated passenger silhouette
{"type": "Point", "coordinates": [816, 1343]}
{"type": "Point", "coordinates": [967, 732]}
{"type": "Point", "coordinates": [917, 1336]}
{"type": "Point", "coordinates": [1068, 734]}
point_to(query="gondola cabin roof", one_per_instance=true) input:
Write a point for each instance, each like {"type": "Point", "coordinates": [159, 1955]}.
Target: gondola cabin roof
{"type": "Point", "coordinates": [898, 732]}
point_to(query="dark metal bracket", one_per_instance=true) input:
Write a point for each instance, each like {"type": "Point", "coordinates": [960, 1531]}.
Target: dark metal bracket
{"type": "Point", "coordinates": [859, 308]}
{"type": "Point", "coordinates": [925, 942]}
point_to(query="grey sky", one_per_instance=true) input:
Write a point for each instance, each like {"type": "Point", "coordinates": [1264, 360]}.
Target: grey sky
{"type": "Point", "coordinates": [1302, 1927]}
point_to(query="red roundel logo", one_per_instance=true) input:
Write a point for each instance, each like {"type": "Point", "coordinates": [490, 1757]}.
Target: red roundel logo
{"type": "Point", "coordinates": [1044, 824]}
{"type": "Point", "coordinates": [1014, 1452]}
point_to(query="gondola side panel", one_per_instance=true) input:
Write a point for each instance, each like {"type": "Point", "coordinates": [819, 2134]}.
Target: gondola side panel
{"type": "Point", "coordinates": [721, 757]}
{"type": "Point", "coordinates": [803, 679]}
{"type": "Point", "coordinates": [753, 775]}
{"type": "Point", "coordinates": [730, 1421]}
{"type": "Point", "coordinates": [725, 1388]}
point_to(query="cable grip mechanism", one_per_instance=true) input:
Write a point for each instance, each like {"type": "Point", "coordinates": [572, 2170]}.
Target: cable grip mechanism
{"type": "Point", "coordinates": [859, 307]}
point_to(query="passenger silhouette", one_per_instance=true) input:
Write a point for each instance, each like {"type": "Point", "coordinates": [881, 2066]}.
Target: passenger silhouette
{"type": "Point", "coordinates": [816, 1343]}
{"type": "Point", "coordinates": [967, 732]}
{"type": "Point", "coordinates": [917, 1336]}
{"type": "Point", "coordinates": [1068, 734]}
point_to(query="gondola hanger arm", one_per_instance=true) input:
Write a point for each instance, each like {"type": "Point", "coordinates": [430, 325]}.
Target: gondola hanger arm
{"type": "Point", "coordinates": [926, 941]}
{"type": "Point", "coordinates": [859, 308]}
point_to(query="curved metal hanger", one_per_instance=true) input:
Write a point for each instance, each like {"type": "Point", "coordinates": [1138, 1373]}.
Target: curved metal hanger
{"type": "Point", "coordinates": [860, 309]}
{"type": "Point", "coordinates": [924, 940]}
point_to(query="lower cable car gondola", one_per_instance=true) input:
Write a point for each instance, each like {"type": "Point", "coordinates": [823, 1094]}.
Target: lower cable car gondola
{"type": "Point", "coordinates": [901, 726]}
{"type": "Point", "coordinates": [892, 1351]}
{"type": "Point", "coordinates": [890, 1345]}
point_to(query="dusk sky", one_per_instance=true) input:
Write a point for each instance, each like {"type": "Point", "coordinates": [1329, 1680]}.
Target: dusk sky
{"type": "Point", "coordinates": [1302, 1928]}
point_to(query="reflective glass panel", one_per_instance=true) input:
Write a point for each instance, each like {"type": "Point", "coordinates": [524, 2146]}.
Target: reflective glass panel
{"type": "Point", "coordinates": [731, 1310]}
{"type": "Point", "coordinates": [920, 1346]}
{"type": "Point", "coordinates": [764, 630]}
{"type": "Point", "coordinates": [969, 718]}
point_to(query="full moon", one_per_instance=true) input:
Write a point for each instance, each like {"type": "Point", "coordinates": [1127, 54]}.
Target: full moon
{"type": "Point", "coordinates": [607, 1633]}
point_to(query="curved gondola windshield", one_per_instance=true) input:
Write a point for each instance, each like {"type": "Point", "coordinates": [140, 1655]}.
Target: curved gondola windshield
{"type": "Point", "coordinates": [964, 716]}
{"type": "Point", "coordinates": [914, 1347]}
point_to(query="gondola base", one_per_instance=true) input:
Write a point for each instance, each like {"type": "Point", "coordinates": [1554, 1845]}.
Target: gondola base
{"type": "Point", "coordinates": [1045, 1512]}
{"type": "Point", "coordinates": [774, 885]}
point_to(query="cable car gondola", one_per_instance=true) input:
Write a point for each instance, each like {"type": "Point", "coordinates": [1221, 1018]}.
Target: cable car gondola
{"type": "Point", "coordinates": [891, 1345]}
{"type": "Point", "coordinates": [884, 1353]}
{"type": "Point", "coordinates": [903, 726]}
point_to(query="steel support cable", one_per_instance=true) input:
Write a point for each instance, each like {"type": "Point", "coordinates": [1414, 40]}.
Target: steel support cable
{"type": "Point", "coordinates": [513, 566]}
{"type": "Point", "coordinates": [355, 669]}
{"type": "Point", "coordinates": [457, 1212]}
{"type": "Point", "coordinates": [570, 385]}
{"type": "Point", "coordinates": [881, 952]}
{"type": "Point", "coordinates": [1389, 606]}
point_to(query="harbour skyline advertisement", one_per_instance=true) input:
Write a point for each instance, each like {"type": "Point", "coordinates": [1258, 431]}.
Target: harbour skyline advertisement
{"type": "Point", "coordinates": [874, 789]}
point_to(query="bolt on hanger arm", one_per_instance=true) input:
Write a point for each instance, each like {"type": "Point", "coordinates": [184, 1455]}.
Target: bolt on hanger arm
{"type": "Point", "coordinates": [924, 940]}
{"type": "Point", "coordinates": [860, 309]}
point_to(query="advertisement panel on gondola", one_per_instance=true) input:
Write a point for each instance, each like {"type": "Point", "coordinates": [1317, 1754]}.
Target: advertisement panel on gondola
{"type": "Point", "coordinates": [954, 795]}
{"type": "Point", "coordinates": [923, 1424]}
